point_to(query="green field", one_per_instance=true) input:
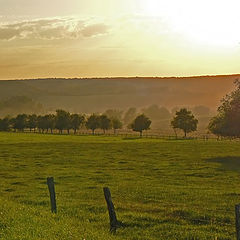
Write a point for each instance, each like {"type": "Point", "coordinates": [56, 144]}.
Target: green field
{"type": "Point", "coordinates": [162, 189]}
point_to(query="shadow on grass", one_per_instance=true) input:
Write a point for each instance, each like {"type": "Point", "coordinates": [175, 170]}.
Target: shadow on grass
{"type": "Point", "coordinates": [227, 163]}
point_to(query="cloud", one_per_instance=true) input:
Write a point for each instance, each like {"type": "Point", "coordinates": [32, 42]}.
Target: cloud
{"type": "Point", "coordinates": [94, 29]}
{"type": "Point", "coordinates": [49, 29]}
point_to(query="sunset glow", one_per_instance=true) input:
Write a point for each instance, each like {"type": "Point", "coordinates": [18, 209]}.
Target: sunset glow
{"type": "Point", "coordinates": [205, 22]}
{"type": "Point", "coordinates": [78, 38]}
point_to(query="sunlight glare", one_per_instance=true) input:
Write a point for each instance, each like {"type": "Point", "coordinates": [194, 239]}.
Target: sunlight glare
{"type": "Point", "coordinates": [212, 22]}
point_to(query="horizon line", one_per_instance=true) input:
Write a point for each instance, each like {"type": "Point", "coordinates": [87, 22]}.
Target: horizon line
{"type": "Point", "coordinates": [117, 77]}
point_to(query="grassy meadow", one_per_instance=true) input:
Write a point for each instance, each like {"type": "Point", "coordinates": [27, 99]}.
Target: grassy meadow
{"type": "Point", "coordinates": [162, 189]}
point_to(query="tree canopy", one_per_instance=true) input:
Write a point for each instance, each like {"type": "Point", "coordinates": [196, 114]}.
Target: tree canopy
{"type": "Point", "coordinates": [93, 122]}
{"type": "Point", "coordinates": [226, 123]}
{"type": "Point", "coordinates": [185, 121]}
{"type": "Point", "coordinates": [141, 123]}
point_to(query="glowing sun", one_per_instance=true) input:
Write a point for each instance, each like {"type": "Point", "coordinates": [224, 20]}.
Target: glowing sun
{"type": "Point", "coordinates": [213, 22]}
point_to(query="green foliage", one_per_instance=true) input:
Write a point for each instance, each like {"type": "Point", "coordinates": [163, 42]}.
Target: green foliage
{"type": "Point", "coordinates": [141, 123]}
{"type": "Point", "coordinates": [226, 123]}
{"type": "Point", "coordinates": [63, 120]}
{"type": "Point", "coordinates": [32, 122]}
{"type": "Point", "coordinates": [50, 120]}
{"type": "Point", "coordinates": [5, 124]}
{"type": "Point", "coordinates": [20, 122]}
{"type": "Point", "coordinates": [77, 120]}
{"type": "Point", "coordinates": [161, 189]}
{"type": "Point", "coordinates": [93, 122]}
{"type": "Point", "coordinates": [116, 124]}
{"type": "Point", "coordinates": [105, 123]}
{"type": "Point", "coordinates": [185, 121]}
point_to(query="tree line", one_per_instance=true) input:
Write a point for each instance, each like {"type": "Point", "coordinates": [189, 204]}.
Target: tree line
{"type": "Point", "coordinates": [65, 121]}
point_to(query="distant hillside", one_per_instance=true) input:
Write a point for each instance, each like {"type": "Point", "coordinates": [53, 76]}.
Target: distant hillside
{"type": "Point", "coordinates": [96, 95]}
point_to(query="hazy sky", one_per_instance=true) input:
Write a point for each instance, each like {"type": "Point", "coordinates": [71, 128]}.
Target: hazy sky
{"type": "Point", "coordinates": [88, 38]}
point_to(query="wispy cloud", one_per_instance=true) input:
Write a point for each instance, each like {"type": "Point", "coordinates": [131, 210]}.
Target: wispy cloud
{"type": "Point", "coordinates": [50, 29]}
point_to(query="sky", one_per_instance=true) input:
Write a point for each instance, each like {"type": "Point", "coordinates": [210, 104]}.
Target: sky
{"type": "Point", "coordinates": [109, 38]}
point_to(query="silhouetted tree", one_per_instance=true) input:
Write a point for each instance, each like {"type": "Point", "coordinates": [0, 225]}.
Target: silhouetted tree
{"type": "Point", "coordinates": [20, 122]}
{"type": "Point", "coordinates": [185, 121]}
{"type": "Point", "coordinates": [63, 120]}
{"type": "Point", "coordinates": [77, 121]}
{"type": "Point", "coordinates": [5, 124]}
{"type": "Point", "coordinates": [141, 123]}
{"type": "Point", "coordinates": [32, 122]}
{"type": "Point", "coordinates": [105, 123]}
{"type": "Point", "coordinates": [50, 120]}
{"type": "Point", "coordinates": [226, 123]}
{"type": "Point", "coordinates": [41, 124]}
{"type": "Point", "coordinates": [93, 122]}
{"type": "Point", "coordinates": [116, 124]}
{"type": "Point", "coordinates": [217, 125]}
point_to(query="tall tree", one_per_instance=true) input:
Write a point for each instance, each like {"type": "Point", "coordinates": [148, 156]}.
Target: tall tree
{"type": "Point", "coordinates": [5, 124]}
{"type": "Point", "coordinates": [185, 121]}
{"type": "Point", "coordinates": [105, 123]}
{"type": "Point", "coordinates": [93, 122]}
{"type": "Point", "coordinates": [63, 120]}
{"type": "Point", "coordinates": [50, 121]}
{"type": "Point", "coordinates": [20, 122]}
{"type": "Point", "coordinates": [226, 123]}
{"type": "Point", "coordinates": [41, 124]}
{"type": "Point", "coordinates": [77, 121]}
{"type": "Point", "coordinates": [32, 122]}
{"type": "Point", "coordinates": [140, 124]}
{"type": "Point", "coordinates": [116, 124]}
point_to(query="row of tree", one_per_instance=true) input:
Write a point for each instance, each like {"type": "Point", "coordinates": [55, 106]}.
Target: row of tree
{"type": "Point", "coordinates": [63, 120]}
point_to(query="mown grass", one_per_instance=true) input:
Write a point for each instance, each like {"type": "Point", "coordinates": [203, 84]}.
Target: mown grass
{"type": "Point", "coordinates": [162, 189]}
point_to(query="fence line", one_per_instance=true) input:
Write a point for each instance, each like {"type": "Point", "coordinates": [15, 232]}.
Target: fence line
{"type": "Point", "coordinates": [132, 134]}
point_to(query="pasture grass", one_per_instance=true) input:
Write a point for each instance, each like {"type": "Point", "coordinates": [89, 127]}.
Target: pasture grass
{"type": "Point", "coordinates": [162, 189]}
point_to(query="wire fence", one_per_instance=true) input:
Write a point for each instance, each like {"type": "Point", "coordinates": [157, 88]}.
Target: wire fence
{"type": "Point", "coordinates": [131, 134]}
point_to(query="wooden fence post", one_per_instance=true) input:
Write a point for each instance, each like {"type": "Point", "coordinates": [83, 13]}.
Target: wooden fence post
{"type": "Point", "coordinates": [111, 210]}
{"type": "Point", "coordinates": [237, 212]}
{"type": "Point", "coordinates": [51, 188]}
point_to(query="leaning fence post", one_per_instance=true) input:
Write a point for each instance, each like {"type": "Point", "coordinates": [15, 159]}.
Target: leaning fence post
{"type": "Point", "coordinates": [111, 210]}
{"type": "Point", "coordinates": [51, 188]}
{"type": "Point", "coordinates": [237, 212]}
